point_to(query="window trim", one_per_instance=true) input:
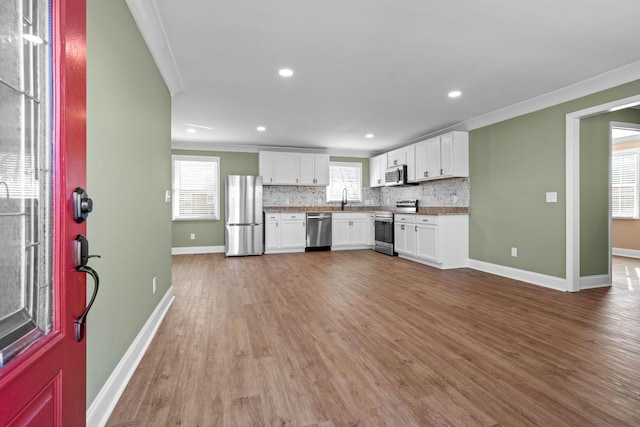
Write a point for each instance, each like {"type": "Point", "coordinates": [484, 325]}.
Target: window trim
{"type": "Point", "coordinates": [619, 153]}
{"type": "Point", "coordinates": [175, 198]}
{"type": "Point", "coordinates": [357, 165]}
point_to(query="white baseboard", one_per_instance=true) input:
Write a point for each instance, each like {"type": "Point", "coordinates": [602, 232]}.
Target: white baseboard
{"type": "Point", "coordinates": [552, 282]}
{"type": "Point", "coordinates": [100, 409]}
{"type": "Point", "coordinates": [630, 253]}
{"type": "Point", "coordinates": [599, 281]}
{"type": "Point", "coordinates": [190, 250]}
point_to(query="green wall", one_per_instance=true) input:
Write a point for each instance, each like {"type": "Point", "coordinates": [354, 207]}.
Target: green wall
{"type": "Point", "coordinates": [211, 233]}
{"type": "Point", "coordinates": [594, 189]}
{"type": "Point", "coordinates": [512, 165]}
{"type": "Point", "coordinates": [128, 171]}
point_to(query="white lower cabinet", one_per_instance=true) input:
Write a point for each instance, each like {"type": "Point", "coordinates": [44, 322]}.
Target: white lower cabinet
{"type": "Point", "coordinates": [285, 232]}
{"type": "Point", "coordinates": [351, 230]}
{"type": "Point", "coordinates": [438, 240]}
{"type": "Point", "coordinates": [427, 242]}
{"type": "Point", "coordinates": [404, 235]}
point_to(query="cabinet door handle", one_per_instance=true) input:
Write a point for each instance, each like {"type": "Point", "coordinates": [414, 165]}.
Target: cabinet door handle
{"type": "Point", "coordinates": [441, 171]}
{"type": "Point", "coordinates": [416, 228]}
{"type": "Point", "coordinates": [296, 180]}
{"type": "Point", "coordinates": [425, 174]}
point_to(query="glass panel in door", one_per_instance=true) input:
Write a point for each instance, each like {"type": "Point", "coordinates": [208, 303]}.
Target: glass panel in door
{"type": "Point", "coordinates": [25, 175]}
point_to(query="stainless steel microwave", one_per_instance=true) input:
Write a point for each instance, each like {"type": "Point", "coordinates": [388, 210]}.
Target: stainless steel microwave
{"type": "Point", "coordinates": [396, 175]}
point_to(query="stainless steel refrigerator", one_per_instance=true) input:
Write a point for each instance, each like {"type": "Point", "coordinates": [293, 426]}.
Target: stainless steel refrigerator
{"type": "Point", "coordinates": [243, 215]}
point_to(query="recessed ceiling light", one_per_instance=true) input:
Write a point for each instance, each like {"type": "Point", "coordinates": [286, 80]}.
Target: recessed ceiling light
{"type": "Point", "coordinates": [261, 128]}
{"type": "Point", "coordinates": [454, 94]}
{"type": "Point", "coordinates": [369, 135]}
{"type": "Point", "coordinates": [32, 38]}
{"type": "Point", "coordinates": [286, 72]}
{"type": "Point", "coordinates": [198, 126]}
{"type": "Point", "coordinates": [191, 130]}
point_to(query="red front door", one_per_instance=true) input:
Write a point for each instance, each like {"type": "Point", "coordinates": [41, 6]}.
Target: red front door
{"type": "Point", "coordinates": [44, 384]}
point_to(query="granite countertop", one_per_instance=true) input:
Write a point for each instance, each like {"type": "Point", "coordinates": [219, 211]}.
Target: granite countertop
{"type": "Point", "coordinates": [427, 210]}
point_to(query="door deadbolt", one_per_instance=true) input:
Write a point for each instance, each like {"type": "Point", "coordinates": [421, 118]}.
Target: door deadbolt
{"type": "Point", "coordinates": [82, 205]}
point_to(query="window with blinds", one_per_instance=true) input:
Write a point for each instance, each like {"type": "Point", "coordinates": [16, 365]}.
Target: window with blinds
{"type": "Point", "coordinates": [196, 187]}
{"type": "Point", "coordinates": [624, 184]}
{"type": "Point", "coordinates": [345, 175]}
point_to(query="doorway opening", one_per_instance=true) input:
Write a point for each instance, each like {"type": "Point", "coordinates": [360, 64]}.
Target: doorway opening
{"type": "Point", "coordinates": [625, 205]}
{"type": "Point", "coordinates": [572, 179]}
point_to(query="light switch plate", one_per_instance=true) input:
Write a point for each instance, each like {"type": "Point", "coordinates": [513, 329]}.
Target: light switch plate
{"type": "Point", "coordinates": [167, 196]}
{"type": "Point", "coordinates": [552, 197]}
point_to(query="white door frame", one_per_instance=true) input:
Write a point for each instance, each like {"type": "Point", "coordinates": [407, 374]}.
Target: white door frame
{"type": "Point", "coordinates": [573, 183]}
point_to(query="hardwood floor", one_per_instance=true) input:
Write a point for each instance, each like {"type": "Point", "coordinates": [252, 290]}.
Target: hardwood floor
{"type": "Point", "coordinates": [359, 338]}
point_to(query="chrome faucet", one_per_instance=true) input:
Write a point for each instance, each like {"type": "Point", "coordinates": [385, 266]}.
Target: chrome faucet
{"type": "Point", "coordinates": [344, 198]}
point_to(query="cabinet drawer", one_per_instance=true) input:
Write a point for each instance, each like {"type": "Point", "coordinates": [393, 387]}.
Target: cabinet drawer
{"type": "Point", "coordinates": [272, 217]}
{"type": "Point", "coordinates": [427, 219]}
{"type": "Point", "coordinates": [292, 216]}
{"type": "Point", "coordinates": [405, 218]}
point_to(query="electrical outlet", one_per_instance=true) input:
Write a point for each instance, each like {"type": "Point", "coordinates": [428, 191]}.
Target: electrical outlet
{"type": "Point", "coordinates": [514, 252]}
{"type": "Point", "coordinates": [454, 199]}
{"type": "Point", "coordinates": [552, 197]}
{"type": "Point", "coordinates": [193, 236]}
{"type": "Point", "coordinates": [155, 284]}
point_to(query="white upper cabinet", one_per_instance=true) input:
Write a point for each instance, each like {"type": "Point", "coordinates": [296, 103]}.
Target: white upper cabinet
{"type": "Point", "coordinates": [410, 152]}
{"type": "Point", "coordinates": [444, 156]}
{"type": "Point", "coordinates": [314, 169]}
{"type": "Point", "coordinates": [433, 157]}
{"type": "Point", "coordinates": [321, 169]}
{"type": "Point", "coordinates": [397, 157]}
{"type": "Point", "coordinates": [377, 166]}
{"type": "Point", "coordinates": [454, 154]}
{"type": "Point", "coordinates": [287, 168]}
{"type": "Point", "coordinates": [266, 160]}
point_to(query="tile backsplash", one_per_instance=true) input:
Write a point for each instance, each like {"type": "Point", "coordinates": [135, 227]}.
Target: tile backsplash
{"type": "Point", "coordinates": [445, 192]}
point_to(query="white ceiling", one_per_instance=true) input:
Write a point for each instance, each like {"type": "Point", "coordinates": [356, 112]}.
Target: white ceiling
{"type": "Point", "coordinates": [371, 66]}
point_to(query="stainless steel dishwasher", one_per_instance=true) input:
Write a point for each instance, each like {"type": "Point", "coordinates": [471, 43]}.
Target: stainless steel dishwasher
{"type": "Point", "coordinates": [318, 231]}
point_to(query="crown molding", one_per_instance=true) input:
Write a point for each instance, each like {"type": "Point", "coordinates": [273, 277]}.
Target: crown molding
{"type": "Point", "coordinates": [147, 17]}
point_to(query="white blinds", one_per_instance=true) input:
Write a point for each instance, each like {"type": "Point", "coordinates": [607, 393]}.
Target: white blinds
{"type": "Point", "coordinates": [195, 187]}
{"type": "Point", "coordinates": [624, 184]}
{"type": "Point", "coordinates": [345, 175]}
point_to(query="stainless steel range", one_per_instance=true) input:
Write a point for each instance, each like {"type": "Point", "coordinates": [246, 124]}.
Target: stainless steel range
{"type": "Point", "coordinates": [384, 239]}
{"type": "Point", "coordinates": [384, 232]}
